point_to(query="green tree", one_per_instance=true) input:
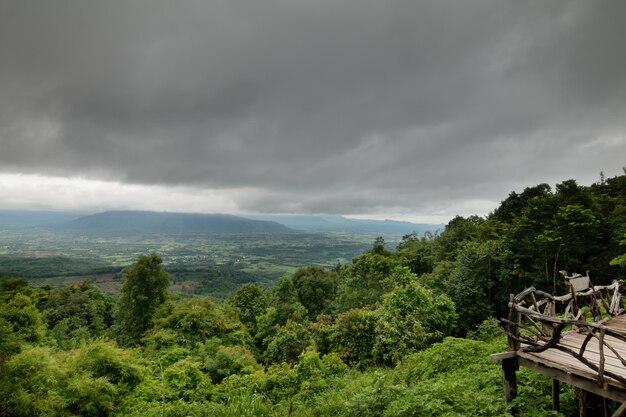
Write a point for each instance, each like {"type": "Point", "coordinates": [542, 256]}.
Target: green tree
{"type": "Point", "coordinates": [288, 342]}
{"type": "Point", "coordinates": [316, 289]}
{"type": "Point", "coordinates": [621, 259]}
{"type": "Point", "coordinates": [185, 381]}
{"type": "Point", "coordinates": [366, 279]}
{"type": "Point", "coordinates": [250, 301]}
{"type": "Point", "coordinates": [416, 253]}
{"type": "Point", "coordinates": [411, 318]}
{"type": "Point", "coordinates": [196, 319]}
{"type": "Point", "coordinates": [458, 231]}
{"type": "Point", "coordinates": [514, 204]}
{"type": "Point", "coordinates": [230, 360]}
{"type": "Point", "coordinates": [284, 297]}
{"type": "Point", "coordinates": [144, 290]}
{"type": "Point", "coordinates": [544, 232]}
{"type": "Point", "coordinates": [29, 384]}
{"type": "Point", "coordinates": [569, 239]}
{"type": "Point", "coordinates": [353, 337]}
{"type": "Point", "coordinates": [472, 282]}
{"type": "Point", "coordinates": [11, 284]}
{"type": "Point", "coordinates": [20, 323]}
{"type": "Point", "coordinates": [103, 359]}
{"type": "Point", "coordinates": [75, 310]}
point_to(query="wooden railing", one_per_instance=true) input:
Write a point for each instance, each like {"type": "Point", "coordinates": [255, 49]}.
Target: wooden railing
{"type": "Point", "coordinates": [534, 325]}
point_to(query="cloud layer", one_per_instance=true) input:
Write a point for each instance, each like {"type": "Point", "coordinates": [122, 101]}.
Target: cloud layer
{"type": "Point", "coordinates": [342, 106]}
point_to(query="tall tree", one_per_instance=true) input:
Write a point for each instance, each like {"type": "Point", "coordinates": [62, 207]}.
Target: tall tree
{"type": "Point", "coordinates": [316, 289]}
{"type": "Point", "coordinates": [366, 279]}
{"type": "Point", "coordinates": [411, 318]}
{"type": "Point", "coordinates": [144, 290]}
{"type": "Point", "coordinates": [250, 301]}
{"type": "Point", "coordinates": [416, 253]}
{"type": "Point", "coordinates": [472, 282]}
{"type": "Point", "coordinates": [458, 231]}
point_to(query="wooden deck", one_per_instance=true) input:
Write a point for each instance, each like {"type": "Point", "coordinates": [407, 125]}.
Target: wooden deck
{"type": "Point", "coordinates": [584, 345]}
{"type": "Point", "coordinates": [563, 366]}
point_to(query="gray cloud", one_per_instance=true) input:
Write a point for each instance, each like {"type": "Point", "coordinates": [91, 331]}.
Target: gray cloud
{"type": "Point", "coordinates": [349, 106]}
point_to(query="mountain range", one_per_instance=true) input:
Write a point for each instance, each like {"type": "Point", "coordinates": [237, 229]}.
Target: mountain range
{"type": "Point", "coordinates": [345, 224]}
{"type": "Point", "coordinates": [132, 223]}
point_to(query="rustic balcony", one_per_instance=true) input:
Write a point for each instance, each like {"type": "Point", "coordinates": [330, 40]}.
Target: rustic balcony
{"type": "Point", "coordinates": [584, 345]}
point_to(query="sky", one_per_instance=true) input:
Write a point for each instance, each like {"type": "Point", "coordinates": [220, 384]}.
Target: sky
{"type": "Point", "coordinates": [402, 109]}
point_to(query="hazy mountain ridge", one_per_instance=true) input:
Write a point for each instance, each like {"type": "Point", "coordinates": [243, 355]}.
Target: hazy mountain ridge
{"type": "Point", "coordinates": [133, 222]}
{"type": "Point", "coordinates": [345, 224]}
{"type": "Point", "coordinates": [15, 219]}
{"type": "Point", "coordinates": [126, 223]}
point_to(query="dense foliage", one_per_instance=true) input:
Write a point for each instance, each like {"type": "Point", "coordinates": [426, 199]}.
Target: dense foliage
{"type": "Point", "coordinates": [402, 332]}
{"type": "Point", "coordinates": [50, 266]}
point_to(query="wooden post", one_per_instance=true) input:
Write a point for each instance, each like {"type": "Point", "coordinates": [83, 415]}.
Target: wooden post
{"type": "Point", "coordinates": [514, 317]}
{"type": "Point", "coordinates": [602, 360]}
{"type": "Point", "coordinates": [509, 378]}
{"type": "Point", "coordinates": [556, 401]}
{"type": "Point", "coordinates": [582, 402]}
{"type": "Point", "coordinates": [511, 365]}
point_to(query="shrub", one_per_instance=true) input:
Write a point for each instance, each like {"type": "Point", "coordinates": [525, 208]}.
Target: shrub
{"type": "Point", "coordinates": [353, 337]}
{"type": "Point", "coordinates": [411, 318]}
{"type": "Point", "coordinates": [230, 360]}
{"type": "Point", "coordinates": [448, 356]}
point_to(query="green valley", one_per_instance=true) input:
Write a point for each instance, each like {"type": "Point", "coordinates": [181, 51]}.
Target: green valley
{"type": "Point", "coordinates": [201, 261]}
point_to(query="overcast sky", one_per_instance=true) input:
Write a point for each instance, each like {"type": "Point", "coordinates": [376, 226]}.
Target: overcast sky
{"type": "Point", "coordinates": [398, 108]}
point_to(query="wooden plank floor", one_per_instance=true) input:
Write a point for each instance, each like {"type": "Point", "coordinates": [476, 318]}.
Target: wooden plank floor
{"type": "Point", "coordinates": [565, 362]}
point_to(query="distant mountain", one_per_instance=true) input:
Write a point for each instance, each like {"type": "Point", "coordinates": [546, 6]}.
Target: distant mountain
{"type": "Point", "coordinates": [16, 219]}
{"type": "Point", "coordinates": [131, 223]}
{"type": "Point", "coordinates": [344, 224]}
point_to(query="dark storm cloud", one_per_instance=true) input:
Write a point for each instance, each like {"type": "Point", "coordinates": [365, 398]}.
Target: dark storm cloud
{"type": "Point", "coordinates": [349, 106]}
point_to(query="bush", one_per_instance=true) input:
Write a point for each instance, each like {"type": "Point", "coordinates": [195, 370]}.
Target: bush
{"type": "Point", "coordinates": [288, 342]}
{"type": "Point", "coordinates": [486, 331]}
{"type": "Point", "coordinates": [104, 359]}
{"type": "Point", "coordinates": [30, 384]}
{"type": "Point", "coordinates": [353, 337]}
{"type": "Point", "coordinates": [411, 318]}
{"type": "Point", "coordinates": [230, 360]}
{"type": "Point", "coordinates": [185, 380]}
{"type": "Point", "coordinates": [448, 356]}
{"type": "Point", "coordinates": [20, 324]}
{"type": "Point", "coordinates": [190, 321]}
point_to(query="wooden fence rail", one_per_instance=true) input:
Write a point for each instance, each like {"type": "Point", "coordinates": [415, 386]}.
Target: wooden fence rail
{"type": "Point", "coordinates": [534, 326]}
{"type": "Point", "coordinates": [575, 338]}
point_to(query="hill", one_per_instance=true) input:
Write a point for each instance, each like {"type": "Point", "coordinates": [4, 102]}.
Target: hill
{"type": "Point", "coordinates": [344, 224]}
{"type": "Point", "coordinates": [15, 219]}
{"type": "Point", "coordinates": [131, 223]}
